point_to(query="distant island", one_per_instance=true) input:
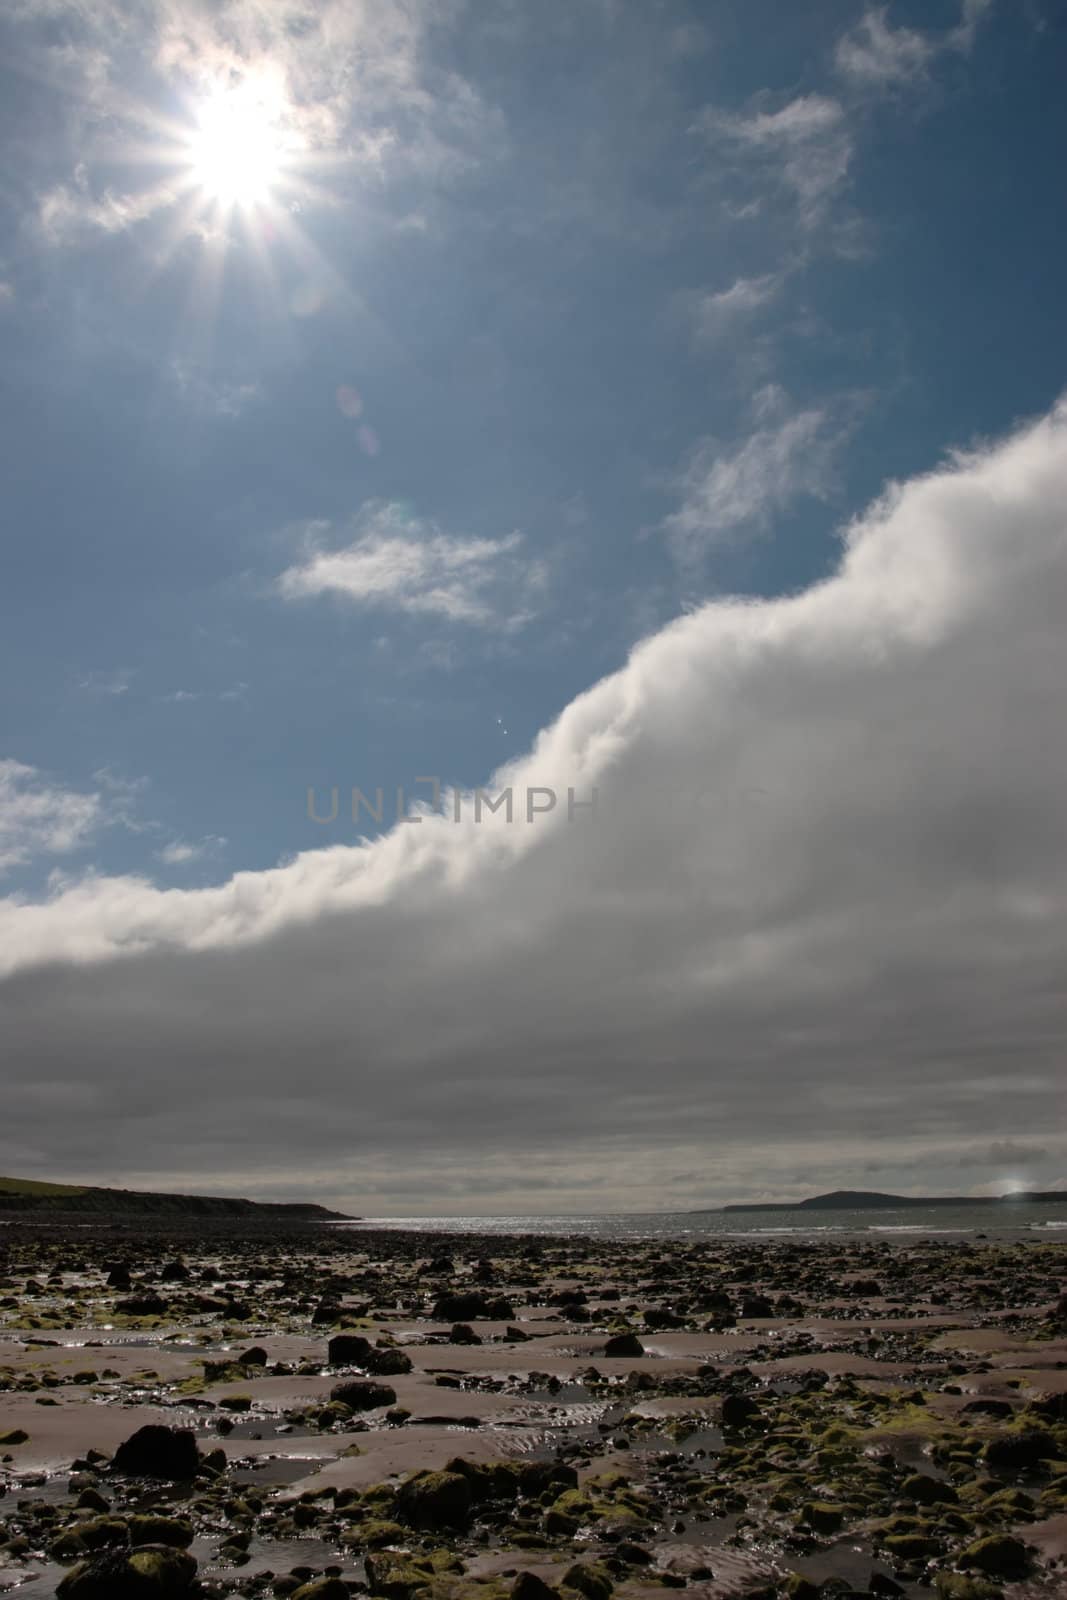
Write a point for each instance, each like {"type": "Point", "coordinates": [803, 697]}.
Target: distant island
{"type": "Point", "coordinates": [25, 1196]}
{"type": "Point", "coordinates": [867, 1200]}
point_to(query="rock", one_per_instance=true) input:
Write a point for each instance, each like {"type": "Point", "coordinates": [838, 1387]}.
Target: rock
{"type": "Point", "coordinates": [822, 1515]}
{"type": "Point", "coordinates": [14, 1436]}
{"type": "Point", "coordinates": [255, 1357]}
{"type": "Point", "coordinates": [756, 1305]}
{"type": "Point", "coordinates": [325, 1312]}
{"type": "Point", "coordinates": [322, 1589]}
{"type": "Point", "coordinates": [463, 1333]}
{"type": "Point", "coordinates": [739, 1411]}
{"type": "Point", "coordinates": [998, 1555]}
{"type": "Point", "coordinates": [1017, 1449]}
{"type": "Point", "coordinates": [388, 1363]}
{"type": "Point", "coordinates": [155, 1572]}
{"type": "Point", "coordinates": [957, 1586]}
{"type": "Point", "coordinates": [147, 1529]}
{"type": "Point", "coordinates": [434, 1500]}
{"type": "Point", "coordinates": [469, 1306]}
{"type": "Point", "coordinates": [986, 1407]}
{"type": "Point", "coordinates": [143, 1305]}
{"type": "Point", "coordinates": [528, 1586]}
{"type": "Point", "coordinates": [660, 1317]}
{"type": "Point", "coordinates": [797, 1587]}
{"type": "Point", "coordinates": [362, 1394]}
{"type": "Point", "coordinates": [174, 1272]}
{"type": "Point", "coordinates": [395, 1574]}
{"type": "Point", "coordinates": [348, 1350]}
{"type": "Point", "coordinates": [155, 1451]}
{"type": "Point", "coordinates": [910, 1547]}
{"type": "Point", "coordinates": [589, 1578]}
{"type": "Point", "coordinates": [624, 1344]}
{"type": "Point", "coordinates": [927, 1491]}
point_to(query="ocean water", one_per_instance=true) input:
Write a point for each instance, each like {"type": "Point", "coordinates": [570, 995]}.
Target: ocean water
{"type": "Point", "coordinates": [1011, 1220]}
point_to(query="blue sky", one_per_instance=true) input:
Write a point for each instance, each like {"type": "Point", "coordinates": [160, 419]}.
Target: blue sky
{"type": "Point", "coordinates": [529, 290]}
{"type": "Point", "coordinates": [422, 388]}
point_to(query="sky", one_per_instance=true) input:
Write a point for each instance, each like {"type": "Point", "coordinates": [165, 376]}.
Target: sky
{"type": "Point", "coordinates": [652, 410]}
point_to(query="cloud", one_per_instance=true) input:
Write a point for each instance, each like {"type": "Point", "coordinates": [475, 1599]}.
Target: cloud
{"type": "Point", "coordinates": [181, 852]}
{"type": "Point", "coordinates": [816, 919]}
{"type": "Point", "coordinates": [725, 489]}
{"type": "Point", "coordinates": [715, 313]}
{"type": "Point", "coordinates": [804, 146]}
{"type": "Point", "coordinates": [40, 818]}
{"type": "Point", "coordinates": [875, 55]}
{"type": "Point", "coordinates": [114, 682]}
{"type": "Point", "coordinates": [404, 563]}
{"type": "Point", "coordinates": [351, 87]}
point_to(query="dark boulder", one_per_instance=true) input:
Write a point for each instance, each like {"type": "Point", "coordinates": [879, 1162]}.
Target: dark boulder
{"type": "Point", "coordinates": [624, 1344]}
{"type": "Point", "coordinates": [739, 1411]}
{"type": "Point", "coordinates": [348, 1350]}
{"type": "Point", "coordinates": [361, 1394]}
{"type": "Point", "coordinates": [155, 1451]}
{"type": "Point", "coordinates": [462, 1333]}
{"type": "Point", "coordinates": [433, 1500]}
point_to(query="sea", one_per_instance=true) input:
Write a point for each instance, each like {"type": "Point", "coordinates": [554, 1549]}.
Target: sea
{"type": "Point", "coordinates": [1009, 1220]}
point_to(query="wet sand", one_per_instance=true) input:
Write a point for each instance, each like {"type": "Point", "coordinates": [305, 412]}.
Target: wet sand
{"type": "Point", "coordinates": [794, 1417]}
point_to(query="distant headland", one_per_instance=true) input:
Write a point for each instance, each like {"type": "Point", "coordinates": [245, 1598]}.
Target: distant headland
{"type": "Point", "coordinates": [867, 1200]}
{"type": "Point", "coordinates": [25, 1196]}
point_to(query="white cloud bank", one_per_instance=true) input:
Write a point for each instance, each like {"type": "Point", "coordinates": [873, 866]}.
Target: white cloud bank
{"type": "Point", "coordinates": [815, 930]}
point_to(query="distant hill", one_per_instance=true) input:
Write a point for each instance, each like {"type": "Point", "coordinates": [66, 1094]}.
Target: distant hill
{"type": "Point", "coordinates": [867, 1200]}
{"type": "Point", "coordinates": [26, 1196]}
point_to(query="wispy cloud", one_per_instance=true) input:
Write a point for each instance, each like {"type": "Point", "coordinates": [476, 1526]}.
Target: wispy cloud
{"type": "Point", "coordinates": [875, 55]}
{"type": "Point", "coordinates": [116, 681]}
{"type": "Point", "coordinates": [405, 563]}
{"type": "Point", "coordinates": [39, 817]}
{"type": "Point", "coordinates": [183, 852]}
{"type": "Point", "coordinates": [805, 146]}
{"type": "Point", "coordinates": [716, 312]}
{"type": "Point", "coordinates": [726, 488]}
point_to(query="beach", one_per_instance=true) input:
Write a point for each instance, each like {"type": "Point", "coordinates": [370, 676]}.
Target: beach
{"type": "Point", "coordinates": [426, 1414]}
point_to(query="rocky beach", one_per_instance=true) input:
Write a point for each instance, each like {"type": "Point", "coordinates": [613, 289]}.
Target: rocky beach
{"type": "Point", "coordinates": [236, 1407]}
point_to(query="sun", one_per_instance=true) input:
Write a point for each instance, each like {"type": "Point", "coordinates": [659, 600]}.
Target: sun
{"type": "Point", "coordinates": [236, 152]}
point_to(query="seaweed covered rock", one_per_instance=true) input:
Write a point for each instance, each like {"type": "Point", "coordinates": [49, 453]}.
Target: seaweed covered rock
{"type": "Point", "coordinates": [432, 1500]}
{"type": "Point", "coordinates": [998, 1555]}
{"type": "Point", "coordinates": [154, 1572]}
{"type": "Point", "coordinates": [1019, 1449]}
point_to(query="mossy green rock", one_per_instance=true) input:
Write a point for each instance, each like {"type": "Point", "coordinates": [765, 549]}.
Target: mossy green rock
{"type": "Point", "coordinates": [589, 1578]}
{"type": "Point", "coordinates": [432, 1500]}
{"type": "Point", "coordinates": [322, 1589]}
{"type": "Point", "coordinates": [927, 1491]}
{"type": "Point", "coordinates": [823, 1516]}
{"type": "Point", "coordinates": [155, 1572]}
{"type": "Point", "coordinates": [911, 1547]}
{"type": "Point", "coordinates": [396, 1575]}
{"type": "Point", "coordinates": [957, 1586]}
{"type": "Point", "coordinates": [160, 1530]}
{"type": "Point", "coordinates": [999, 1555]}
